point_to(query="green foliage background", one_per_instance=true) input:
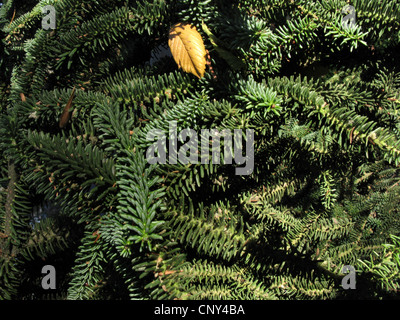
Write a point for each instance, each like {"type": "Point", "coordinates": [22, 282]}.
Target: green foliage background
{"type": "Point", "coordinates": [322, 98]}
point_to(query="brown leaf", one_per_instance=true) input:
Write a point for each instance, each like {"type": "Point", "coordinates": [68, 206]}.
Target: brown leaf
{"type": "Point", "coordinates": [97, 235]}
{"type": "Point", "coordinates": [351, 135]}
{"type": "Point", "coordinates": [65, 115]}
{"type": "Point", "coordinates": [3, 235]}
{"type": "Point", "coordinates": [12, 19]}
{"type": "Point", "coordinates": [188, 49]}
{"type": "Point", "coordinates": [165, 273]}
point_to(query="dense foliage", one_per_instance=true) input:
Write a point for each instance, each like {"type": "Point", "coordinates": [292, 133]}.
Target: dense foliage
{"type": "Point", "coordinates": [322, 97]}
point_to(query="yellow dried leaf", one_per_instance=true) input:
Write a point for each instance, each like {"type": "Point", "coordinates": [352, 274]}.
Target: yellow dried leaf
{"type": "Point", "coordinates": [188, 49]}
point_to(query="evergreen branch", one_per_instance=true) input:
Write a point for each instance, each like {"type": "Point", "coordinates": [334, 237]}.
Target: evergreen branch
{"type": "Point", "coordinates": [88, 271]}
{"type": "Point", "coordinates": [8, 214]}
{"type": "Point", "coordinates": [138, 205]}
